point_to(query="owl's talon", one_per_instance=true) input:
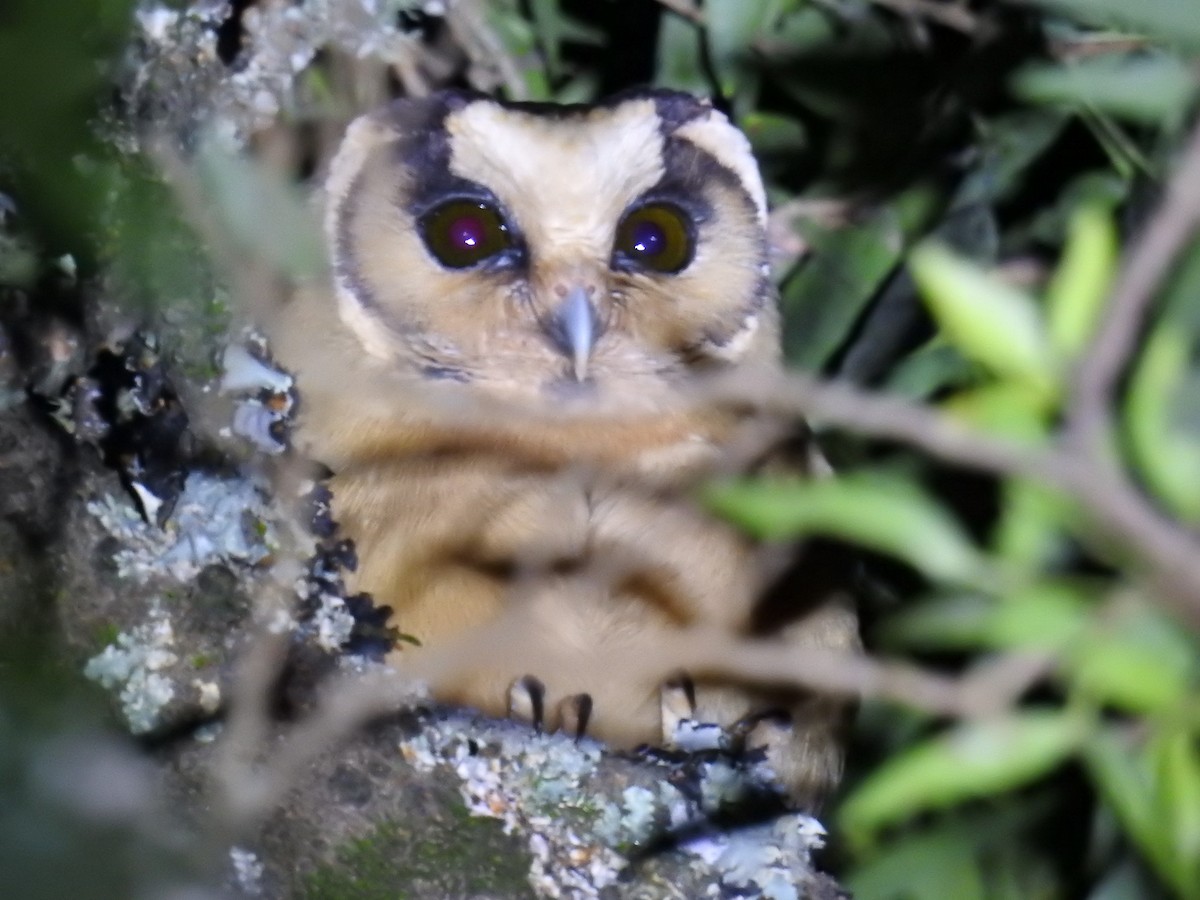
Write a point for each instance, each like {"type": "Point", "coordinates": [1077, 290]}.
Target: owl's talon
{"type": "Point", "coordinates": [526, 701]}
{"type": "Point", "coordinates": [677, 702]}
{"type": "Point", "coordinates": [574, 713]}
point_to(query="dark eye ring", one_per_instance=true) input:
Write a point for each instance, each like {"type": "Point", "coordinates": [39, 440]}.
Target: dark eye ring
{"type": "Point", "coordinates": [657, 236]}
{"type": "Point", "coordinates": [461, 233]}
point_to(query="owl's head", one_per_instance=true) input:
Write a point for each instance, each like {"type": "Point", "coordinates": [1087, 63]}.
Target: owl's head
{"type": "Point", "coordinates": [548, 252]}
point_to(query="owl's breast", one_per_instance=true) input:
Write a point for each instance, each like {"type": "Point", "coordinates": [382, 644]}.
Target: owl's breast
{"type": "Point", "coordinates": [446, 540]}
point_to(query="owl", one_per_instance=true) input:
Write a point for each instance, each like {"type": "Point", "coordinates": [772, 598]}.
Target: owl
{"type": "Point", "coordinates": [501, 375]}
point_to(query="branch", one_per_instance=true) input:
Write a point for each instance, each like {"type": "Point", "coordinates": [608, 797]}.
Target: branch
{"type": "Point", "coordinates": [354, 700]}
{"type": "Point", "coordinates": [686, 9]}
{"type": "Point", "coordinates": [950, 15]}
{"type": "Point", "coordinates": [1169, 552]}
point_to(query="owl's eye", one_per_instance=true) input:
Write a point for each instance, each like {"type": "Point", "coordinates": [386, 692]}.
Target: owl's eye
{"type": "Point", "coordinates": [461, 233]}
{"type": "Point", "coordinates": [657, 236]}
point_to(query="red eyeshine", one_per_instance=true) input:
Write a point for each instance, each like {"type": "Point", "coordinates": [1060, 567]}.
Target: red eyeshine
{"type": "Point", "coordinates": [466, 232]}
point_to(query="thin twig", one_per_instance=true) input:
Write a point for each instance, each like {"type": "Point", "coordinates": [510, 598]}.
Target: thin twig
{"type": "Point", "coordinates": [1088, 46]}
{"type": "Point", "coordinates": [950, 15]}
{"type": "Point", "coordinates": [687, 9]}
{"type": "Point", "coordinates": [244, 737]}
{"type": "Point", "coordinates": [352, 702]}
{"type": "Point", "coordinates": [1169, 552]}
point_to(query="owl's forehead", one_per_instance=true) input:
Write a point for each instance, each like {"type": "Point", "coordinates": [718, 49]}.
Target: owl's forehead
{"type": "Point", "coordinates": [559, 168]}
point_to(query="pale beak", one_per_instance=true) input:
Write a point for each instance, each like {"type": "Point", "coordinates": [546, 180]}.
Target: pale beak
{"type": "Point", "coordinates": [575, 327]}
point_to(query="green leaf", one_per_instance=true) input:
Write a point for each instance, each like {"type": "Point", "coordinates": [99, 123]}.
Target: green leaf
{"type": "Point", "coordinates": [772, 134]}
{"type": "Point", "coordinates": [1125, 879]}
{"type": "Point", "coordinates": [1182, 290]}
{"type": "Point", "coordinates": [971, 760]}
{"type": "Point", "coordinates": [151, 251]}
{"type": "Point", "coordinates": [1102, 187]}
{"type": "Point", "coordinates": [1042, 616]}
{"type": "Point", "coordinates": [245, 194]}
{"type": "Point", "coordinates": [1029, 534]}
{"type": "Point", "coordinates": [979, 853]}
{"type": "Point", "coordinates": [802, 28]}
{"type": "Point", "coordinates": [1146, 89]}
{"type": "Point", "coordinates": [1174, 22]}
{"type": "Point", "coordinates": [1135, 658]}
{"type": "Point", "coordinates": [680, 60]}
{"type": "Point", "coordinates": [995, 324]}
{"type": "Point", "coordinates": [554, 27]}
{"type": "Point", "coordinates": [926, 865]}
{"type": "Point", "coordinates": [520, 39]}
{"type": "Point", "coordinates": [731, 28]}
{"type": "Point", "coordinates": [1076, 293]}
{"type": "Point", "coordinates": [1048, 615]}
{"type": "Point", "coordinates": [1127, 786]}
{"type": "Point", "coordinates": [1008, 146]}
{"type": "Point", "coordinates": [1014, 410]}
{"type": "Point", "coordinates": [957, 622]}
{"type": "Point", "coordinates": [56, 76]}
{"type": "Point", "coordinates": [580, 89]}
{"type": "Point", "coordinates": [845, 267]}
{"type": "Point", "coordinates": [887, 514]}
{"type": "Point", "coordinates": [1176, 755]}
{"type": "Point", "coordinates": [1170, 461]}
{"type": "Point", "coordinates": [824, 299]}
{"type": "Point", "coordinates": [932, 368]}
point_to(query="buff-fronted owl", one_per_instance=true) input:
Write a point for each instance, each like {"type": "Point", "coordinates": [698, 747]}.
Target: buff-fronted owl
{"type": "Point", "coordinates": [501, 377]}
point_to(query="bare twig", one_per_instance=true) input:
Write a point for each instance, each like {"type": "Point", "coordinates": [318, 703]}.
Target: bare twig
{"type": "Point", "coordinates": [1088, 46]}
{"type": "Point", "coordinates": [1168, 552]}
{"type": "Point", "coordinates": [347, 705]}
{"type": "Point", "coordinates": [950, 15]}
{"type": "Point", "coordinates": [687, 9]}
{"type": "Point", "coordinates": [244, 738]}
{"type": "Point", "coordinates": [356, 700]}
{"type": "Point", "coordinates": [998, 682]}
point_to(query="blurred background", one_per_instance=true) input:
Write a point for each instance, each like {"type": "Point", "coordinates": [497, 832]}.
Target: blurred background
{"type": "Point", "coordinates": [956, 187]}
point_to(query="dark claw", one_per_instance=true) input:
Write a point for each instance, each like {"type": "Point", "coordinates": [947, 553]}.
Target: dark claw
{"type": "Point", "coordinates": [526, 701]}
{"type": "Point", "coordinates": [677, 702]}
{"type": "Point", "coordinates": [574, 713]}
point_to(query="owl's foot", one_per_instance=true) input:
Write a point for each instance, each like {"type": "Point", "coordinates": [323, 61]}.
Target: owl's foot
{"type": "Point", "coordinates": [527, 703]}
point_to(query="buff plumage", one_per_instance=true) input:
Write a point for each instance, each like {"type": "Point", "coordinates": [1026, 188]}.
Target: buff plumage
{"type": "Point", "coordinates": [500, 375]}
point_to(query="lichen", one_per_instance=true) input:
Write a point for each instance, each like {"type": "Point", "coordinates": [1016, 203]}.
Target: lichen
{"type": "Point", "coordinates": [208, 694]}
{"type": "Point", "coordinates": [519, 777]}
{"type": "Point", "coordinates": [265, 398]}
{"type": "Point", "coordinates": [216, 520]}
{"type": "Point", "coordinates": [280, 42]}
{"type": "Point", "coordinates": [247, 870]}
{"type": "Point", "coordinates": [134, 663]}
{"type": "Point", "coordinates": [545, 788]}
{"type": "Point", "coordinates": [635, 820]}
{"type": "Point", "coordinates": [332, 624]}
